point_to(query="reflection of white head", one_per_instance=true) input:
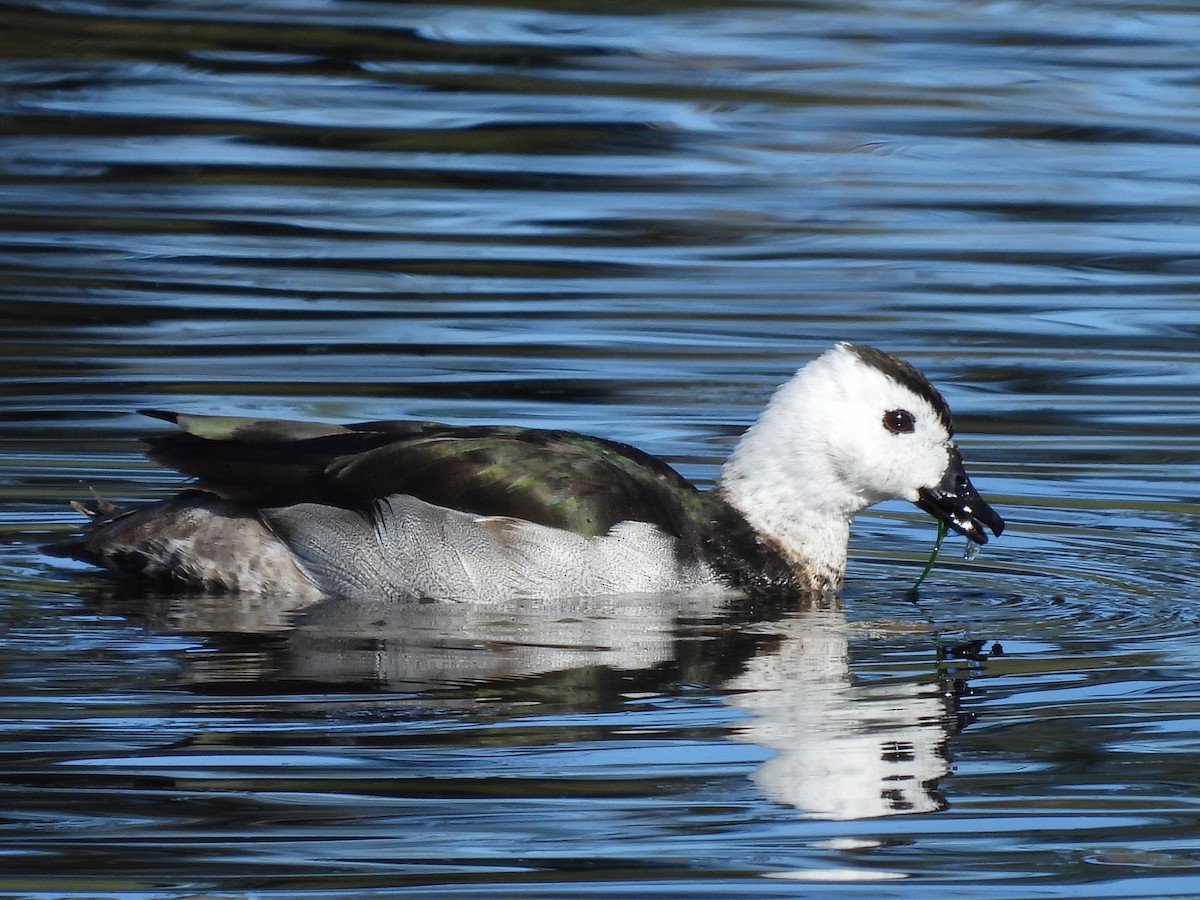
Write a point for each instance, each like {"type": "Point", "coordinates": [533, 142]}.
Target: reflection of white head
{"type": "Point", "coordinates": [842, 751]}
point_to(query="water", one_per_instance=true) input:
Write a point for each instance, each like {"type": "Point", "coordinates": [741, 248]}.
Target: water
{"type": "Point", "coordinates": [633, 224]}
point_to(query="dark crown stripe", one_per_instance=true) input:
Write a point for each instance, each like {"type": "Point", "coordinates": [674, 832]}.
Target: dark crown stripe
{"type": "Point", "coordinates": [902, 372]}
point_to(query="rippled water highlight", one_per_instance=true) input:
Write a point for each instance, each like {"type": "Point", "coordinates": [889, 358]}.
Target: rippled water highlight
{"type": "Point", "coordinates": [632, 223]}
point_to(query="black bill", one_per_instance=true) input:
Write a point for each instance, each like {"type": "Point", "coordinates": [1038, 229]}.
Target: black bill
{"type": "Point", "coordinates": [956, 502]}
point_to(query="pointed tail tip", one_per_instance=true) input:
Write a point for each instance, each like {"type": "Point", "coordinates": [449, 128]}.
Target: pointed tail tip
{"type": "Point", "coordinates": [165, 414]}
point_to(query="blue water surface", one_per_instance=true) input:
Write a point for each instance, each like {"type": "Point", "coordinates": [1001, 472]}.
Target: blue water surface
{"type": "Point", "coordinates": [631, 222]}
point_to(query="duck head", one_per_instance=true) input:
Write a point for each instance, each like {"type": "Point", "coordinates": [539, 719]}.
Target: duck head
{"type": "Point", "coordinates": [897, 441]}
{"type": "Point", "coordinates": [853, 428]}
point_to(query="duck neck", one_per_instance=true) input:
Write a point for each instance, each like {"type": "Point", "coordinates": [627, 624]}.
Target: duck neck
{"type": "Point", "coordinates": [804, 511]}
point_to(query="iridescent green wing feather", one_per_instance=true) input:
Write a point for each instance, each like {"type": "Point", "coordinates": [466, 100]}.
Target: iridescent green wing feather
{"type": "Point", "coordinates": [555, 478]}
{"type": "Point", "coordinates": [261, 461]}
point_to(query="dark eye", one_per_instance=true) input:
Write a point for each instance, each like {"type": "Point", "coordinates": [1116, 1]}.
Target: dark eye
{"type": "Point", "coordinates": [899, 421]}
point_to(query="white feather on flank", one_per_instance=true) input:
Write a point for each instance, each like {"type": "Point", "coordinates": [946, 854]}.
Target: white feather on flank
{"type": "Point", "coordinates": [429, 551]}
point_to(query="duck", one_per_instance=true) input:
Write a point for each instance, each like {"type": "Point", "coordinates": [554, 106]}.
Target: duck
{"type": "Point", "coordinates": [417, 510]}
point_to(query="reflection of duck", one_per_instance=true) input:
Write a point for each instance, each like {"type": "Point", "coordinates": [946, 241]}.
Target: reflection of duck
{"type": "Point", "coordinates": [842, 750]}
{"type": "Point", "coordinates": [838, 749]}
{"type": "Point", "coordinates": [623, 640]}
{"type": "Point", "coordinates": [404, 509]}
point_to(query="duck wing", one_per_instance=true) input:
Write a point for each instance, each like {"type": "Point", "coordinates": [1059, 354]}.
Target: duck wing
{"type": "Point", "coordinates": [556, 478]}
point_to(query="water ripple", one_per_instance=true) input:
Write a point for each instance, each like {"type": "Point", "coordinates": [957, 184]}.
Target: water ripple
{"type": "Point", "coordinates": [633, 223]}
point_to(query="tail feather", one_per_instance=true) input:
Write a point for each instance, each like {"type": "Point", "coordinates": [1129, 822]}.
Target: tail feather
{"type": "Point", "coordinates": [194, 540]}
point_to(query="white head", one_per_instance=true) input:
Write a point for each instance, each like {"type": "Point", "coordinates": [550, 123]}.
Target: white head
{"type": "Point", "coordinates": [852, 428]}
